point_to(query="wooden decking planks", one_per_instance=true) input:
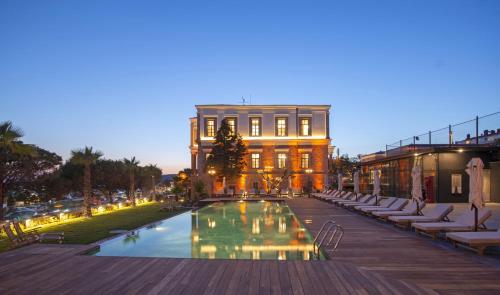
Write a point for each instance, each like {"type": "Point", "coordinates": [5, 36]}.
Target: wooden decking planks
{"type": "Point", "coordinates": [388, 252]}
{"type": "Point", "coordinates": [373, 258]}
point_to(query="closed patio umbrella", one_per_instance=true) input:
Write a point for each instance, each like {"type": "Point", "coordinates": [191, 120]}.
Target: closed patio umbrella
{"type": "Point", "coordinates": [340, 184]}
{"type": "Point", "coordinates": [356, 184]}
{"type": "Point", "coordinates": [416, 186]}
{"type": "Point", "coordinates": [376, 185]}
{"type": "Point", "coordinates": [475, 171]}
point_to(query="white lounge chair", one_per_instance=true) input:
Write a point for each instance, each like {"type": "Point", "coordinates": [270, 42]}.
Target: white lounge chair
{"type": "Point", "coordinates": [345, 196]}
{"type": "Point", "coordinates": [327, 195]}
{"type": "Point", "coordinates": [464, 222]}
{"type": "Point", "coordinates": [369, 202]}
{"type": "Point", "coordinates": [384, 203]}
{"type": "Point", "coordinates": [352, 199]}
{"type": "Point", "coordinates": [477, 241]}
{"type": "Point", "coordinates": [398, 204]}
{"type": "Point", "coordinates": [438, 213]}
{"type": "Point", "coordinates": [409, 209]}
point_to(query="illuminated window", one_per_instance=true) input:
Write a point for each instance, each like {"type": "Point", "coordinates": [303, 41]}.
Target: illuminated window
{"type": "Point", "coordinates": [305, 126]}
{"type": "Point", "coordinates": [232, 124]}
{"type": "Point", "coordinates": [255, 129]}
{"type": "Point", "coordinates": [210, 127]}
{"type": "Point", "coordinates": [281, 161]}
{"type": "Point", "coordinates": [255, 161]}
{"type": "Point", "coordinates": [304, 161]}
{"type": "Point", "coordinates": [281, 128]}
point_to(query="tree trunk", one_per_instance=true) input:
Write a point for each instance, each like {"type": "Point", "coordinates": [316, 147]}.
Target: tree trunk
{"type": "Point", "coordinates": [87, 211]}
{"type": "Point", "coordinates": [1, 200]}
{"type": "Point", "coordinates": [132, 188]}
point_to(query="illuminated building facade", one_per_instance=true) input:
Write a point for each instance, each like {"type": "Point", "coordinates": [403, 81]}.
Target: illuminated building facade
{"type": "Point", "coordinates": [295, 138]}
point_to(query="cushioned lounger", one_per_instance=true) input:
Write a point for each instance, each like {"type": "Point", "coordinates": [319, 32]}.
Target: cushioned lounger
{"type": "Point", "coordinates": [396, 205]}
{"type": "Point", "coordinates": [369, 202]}
{"type": "Point", "coordinates": [353, 200]}
{"type": "Point", "coordinates": [409, 209]}
{"type": "Point", "coordinates": [346, 198]}
{"type": "Point", "coordinates": [384, 203]}
{"type": "Point", "coordinates": [477, 240]}
{"type": "Point", "coordinates": [438, 213]}
{"type": "Point", "coordinates": [464, 222]}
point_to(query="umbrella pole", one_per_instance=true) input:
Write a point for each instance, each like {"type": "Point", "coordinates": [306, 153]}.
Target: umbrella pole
{"type": "Point", "coordinates": [473, 206]}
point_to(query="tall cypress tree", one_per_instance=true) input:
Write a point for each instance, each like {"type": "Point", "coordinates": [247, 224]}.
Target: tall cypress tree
{"type": "Point", "coordinates": [227, 157]}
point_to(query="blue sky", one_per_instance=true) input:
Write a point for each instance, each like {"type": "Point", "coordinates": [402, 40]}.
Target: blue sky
{"type": "Point", "coordinates": [124, 76]}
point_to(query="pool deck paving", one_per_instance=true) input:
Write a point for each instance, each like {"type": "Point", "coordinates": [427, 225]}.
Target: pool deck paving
{"type": "Point", "coordinates": [373, 258]}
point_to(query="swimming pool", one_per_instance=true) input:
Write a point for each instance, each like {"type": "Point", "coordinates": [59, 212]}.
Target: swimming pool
{"type": "Point", "coordinates": [230, 230]}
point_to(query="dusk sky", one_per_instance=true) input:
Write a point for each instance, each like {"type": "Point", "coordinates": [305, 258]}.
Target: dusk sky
{"type": "Point", "coordinates": [124, 76]}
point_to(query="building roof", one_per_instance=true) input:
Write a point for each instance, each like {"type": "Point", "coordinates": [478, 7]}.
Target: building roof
{"type": "Point", "coordinates": [263, 106]}
{"type": "Point", "coordinates": [418, 149]}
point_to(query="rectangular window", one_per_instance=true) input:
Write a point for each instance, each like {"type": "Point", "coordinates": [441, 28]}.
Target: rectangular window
{"type": "Point", "coordinates": [255, 161]}
{"type": "Point", "coordinates": [232, 125]}
{"type": "Point", "coordinates": [305, 126]}
{"type": "Point", "coordinates": [281, 127]}
{"type": "Point", "coordinates": [456, 184]}
{"type": "Point", "coordinates": [281, 161]}
{"type": "Point", "coordinates": [255, 127]}
{"type": "Point", "coordinates": [304, 161]}
{"type": "Point", "coordinates": [210, 127]}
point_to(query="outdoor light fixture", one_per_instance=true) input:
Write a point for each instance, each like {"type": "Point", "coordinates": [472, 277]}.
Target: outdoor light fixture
{"type": "Point", "coordinates": [461, 150]}
{"type": "Point", "coordinates": [309, 171]}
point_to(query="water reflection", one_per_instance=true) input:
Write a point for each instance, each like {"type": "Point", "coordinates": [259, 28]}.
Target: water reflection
{"type": "Point", "coordinates": [233, 230]}
{"type": "Point", "coordinates": [273, 233]}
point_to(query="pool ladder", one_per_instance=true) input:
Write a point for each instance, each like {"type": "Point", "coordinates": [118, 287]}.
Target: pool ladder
{"type": "Point", "coordinates": [328, 237]}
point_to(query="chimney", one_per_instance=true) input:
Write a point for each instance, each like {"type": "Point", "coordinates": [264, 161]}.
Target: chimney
{"type": "Point", "coordinates": [485, 133]}
{"type": "Point", "coordinates": [468, 136]}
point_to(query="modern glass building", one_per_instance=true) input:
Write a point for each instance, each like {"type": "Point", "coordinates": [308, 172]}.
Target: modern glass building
{"type": "Point", "coordinates": [444, 178]}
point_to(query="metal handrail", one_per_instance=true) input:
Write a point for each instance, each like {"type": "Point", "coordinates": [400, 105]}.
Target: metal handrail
{"type": "Point", "coordinates": [328, 229]}
{"type": "Point", "coordinates": [319, 233]}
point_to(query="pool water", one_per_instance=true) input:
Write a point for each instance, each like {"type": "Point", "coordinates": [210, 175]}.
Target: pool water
{"type": "Point", "coordinates": [230, 230]}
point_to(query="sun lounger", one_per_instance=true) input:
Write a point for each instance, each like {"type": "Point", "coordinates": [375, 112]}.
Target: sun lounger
{"type": "Point", "coordinates": [15, 240]}
{"type": "Point", "coordinates": [397, 204]}
{"type": "Point", "coordinates": [438, 213]}
{"type": "Point", "coordinates": [409, 209]}
{"type": "Point", "coordinates": [351, 198]}
{"type": "Point", "coordinates": [478, 241]}
{"type": "Point", "coordinates": [384, 203]}
{"type": "Point", "coordinates": [34, 236]}
{"type": "Point", "coordinates": [464, 222]}
{"type": "Point", "coordinates": [345, 196]}
{"type": "Point", "coordinates": [329, 194]}
{"type": "Point", "coordinates": [366, 200]}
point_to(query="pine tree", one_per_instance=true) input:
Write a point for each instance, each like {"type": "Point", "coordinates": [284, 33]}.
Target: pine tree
{"type": "Point", "coordinates": [228, 153]}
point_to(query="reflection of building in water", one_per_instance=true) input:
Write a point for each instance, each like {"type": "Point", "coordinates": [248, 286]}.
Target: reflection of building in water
{"type": "Point", "coordinates": [222, 232]}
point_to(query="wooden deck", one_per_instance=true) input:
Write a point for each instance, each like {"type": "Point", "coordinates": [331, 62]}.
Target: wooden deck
{"type": "Point", "coordinates": [373, 259]}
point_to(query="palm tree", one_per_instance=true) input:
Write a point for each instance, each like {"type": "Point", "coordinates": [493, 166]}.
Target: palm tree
{"type": "Point", "coordinates": [151, 171]}
{"type": "Point", "coordinates": [132, 166]}
{"type": "Point", "coordinates": [86, 157]}
{"type": "Point", "coordinates": [10, 143]}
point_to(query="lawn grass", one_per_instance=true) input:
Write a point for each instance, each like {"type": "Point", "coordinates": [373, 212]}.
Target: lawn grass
{"type": "Point", "coordinates": [89, 230]}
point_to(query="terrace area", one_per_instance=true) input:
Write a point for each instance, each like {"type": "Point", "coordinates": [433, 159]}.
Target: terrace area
{"type": "Point", "coordinates": [373, 258]}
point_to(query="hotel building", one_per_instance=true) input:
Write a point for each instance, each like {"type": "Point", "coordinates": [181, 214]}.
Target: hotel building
{"type": "Point", "coordinates": [295, 138]}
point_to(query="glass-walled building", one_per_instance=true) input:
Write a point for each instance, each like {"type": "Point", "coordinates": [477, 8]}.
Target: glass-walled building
{"type": "Point", "coordinates": [444, 178]}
